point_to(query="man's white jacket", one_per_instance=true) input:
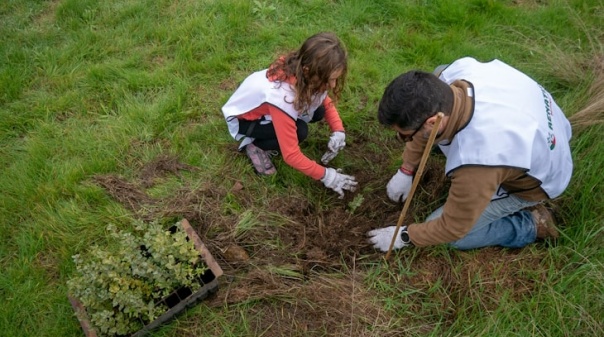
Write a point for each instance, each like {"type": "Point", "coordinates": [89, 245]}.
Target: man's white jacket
{"type": "Point", "coordinates": [515, 123]}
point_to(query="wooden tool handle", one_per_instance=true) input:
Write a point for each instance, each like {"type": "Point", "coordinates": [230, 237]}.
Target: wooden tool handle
{"type": "Point", "coordinates": [416, 179]}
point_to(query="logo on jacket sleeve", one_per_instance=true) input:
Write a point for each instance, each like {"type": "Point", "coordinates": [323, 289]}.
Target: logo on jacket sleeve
{"type": "Point", "coordinates": [551, 140]}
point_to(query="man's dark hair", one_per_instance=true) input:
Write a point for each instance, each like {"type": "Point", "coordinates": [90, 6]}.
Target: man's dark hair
{"type": "Point", "coordinates": [413, 97]}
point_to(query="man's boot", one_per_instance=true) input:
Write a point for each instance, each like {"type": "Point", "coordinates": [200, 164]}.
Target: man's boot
{"type": "Point", "coordinates": [544, 222]}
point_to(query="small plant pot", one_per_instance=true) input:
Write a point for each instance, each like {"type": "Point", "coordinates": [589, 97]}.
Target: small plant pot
{"type": "Point", "coordinates": [177, 301]}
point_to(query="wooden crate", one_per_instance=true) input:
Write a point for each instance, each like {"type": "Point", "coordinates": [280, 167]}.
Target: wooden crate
{"type": "Point", "coordinates": [178, 301]}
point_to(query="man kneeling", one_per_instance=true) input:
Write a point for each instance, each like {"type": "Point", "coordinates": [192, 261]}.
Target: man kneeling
{"type": "Point", "coordinates": [507, 148]}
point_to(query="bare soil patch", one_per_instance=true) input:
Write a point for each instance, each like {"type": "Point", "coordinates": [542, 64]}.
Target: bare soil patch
{"type": "Point", "coordinates": [307, 275]}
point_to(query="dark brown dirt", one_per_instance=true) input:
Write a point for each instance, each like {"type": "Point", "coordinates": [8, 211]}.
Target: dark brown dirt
{"type": "Point", "coordinates": [307, 275]}
{"type": "Point", "coordinates": [128, 194]}
{"type": "Point", "coordinates": [160, 167]}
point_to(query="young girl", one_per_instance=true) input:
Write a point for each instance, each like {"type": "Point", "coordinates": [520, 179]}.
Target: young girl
{"type": "Point", "coordinates": [271, 109]}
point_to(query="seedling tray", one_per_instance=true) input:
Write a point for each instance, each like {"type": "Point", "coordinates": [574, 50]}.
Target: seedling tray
{"type": "Point", "coordinates": [176, 302]}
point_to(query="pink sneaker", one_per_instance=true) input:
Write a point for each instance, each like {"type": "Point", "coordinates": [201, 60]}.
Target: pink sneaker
{"type": "Point", "coordinates": [260, 159]}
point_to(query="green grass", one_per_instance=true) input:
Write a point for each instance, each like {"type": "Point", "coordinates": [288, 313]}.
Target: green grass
{"type": "Point", "coordinates": [101, 87]}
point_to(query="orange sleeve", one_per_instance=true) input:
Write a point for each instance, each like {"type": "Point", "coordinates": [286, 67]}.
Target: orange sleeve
{"type": "Point", "coordinates": [285, 128]}
{"type": "Point", "coordinates": [332, 117]}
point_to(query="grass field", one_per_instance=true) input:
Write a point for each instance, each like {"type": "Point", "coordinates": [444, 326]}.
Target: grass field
{"type": "Point", "coordinates": [110, 111]}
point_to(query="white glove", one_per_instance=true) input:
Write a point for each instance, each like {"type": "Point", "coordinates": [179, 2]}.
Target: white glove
{"type": "Point", "coordinates": [339, 182]}
{"type": "Point", "coordinates": [399, 185]}
{"type": "Point", "coordinates": [382, 237]}
{"type": "Point", "coordinates": [328, 156]}
{"type": "Point", "coordinates": [337, 141]}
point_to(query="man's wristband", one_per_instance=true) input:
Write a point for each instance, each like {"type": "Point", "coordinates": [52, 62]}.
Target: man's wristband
{"type": "Point", "coordinates": [406, 172]}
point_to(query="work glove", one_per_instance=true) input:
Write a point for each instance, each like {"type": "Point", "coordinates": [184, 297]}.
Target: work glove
{"type": "Point", "coordinates": [382, 237]}
{"type": "Point", "coordinates": [399, 186]}
{"type": "Point", "coordinates": [339, 182]}
{"type": "Point", "coordinates": [328, 156]}
{"type": "Point", "coordinates": [337, 141]}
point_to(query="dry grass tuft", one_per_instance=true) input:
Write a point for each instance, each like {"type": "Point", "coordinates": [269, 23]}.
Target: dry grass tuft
{"type": "Point", "coordinates": [326, 305]}
{"type": "Point", "coordinates": [593, 111]}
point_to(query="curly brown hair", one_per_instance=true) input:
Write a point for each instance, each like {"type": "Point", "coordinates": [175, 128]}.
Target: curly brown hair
{"type": "Point", "coordinates": [312, 65]}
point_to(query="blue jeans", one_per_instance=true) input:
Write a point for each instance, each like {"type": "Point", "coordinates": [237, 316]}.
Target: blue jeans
{"type": "Point", "coordinates": [503, 223]}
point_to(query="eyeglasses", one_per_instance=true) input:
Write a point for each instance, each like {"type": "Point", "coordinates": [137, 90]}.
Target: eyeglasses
{"type": "Point", "coordinates": [409, 138]}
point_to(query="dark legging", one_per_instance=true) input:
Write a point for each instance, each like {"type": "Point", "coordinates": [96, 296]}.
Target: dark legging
{"type": "Point", "coordinates": [265, 136]}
